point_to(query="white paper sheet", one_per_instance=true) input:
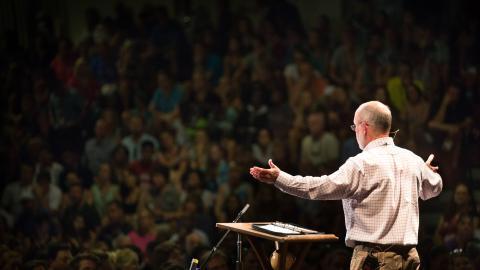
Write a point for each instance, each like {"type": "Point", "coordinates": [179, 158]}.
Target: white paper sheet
{"type": "Point", "coordinates": [277, 229]}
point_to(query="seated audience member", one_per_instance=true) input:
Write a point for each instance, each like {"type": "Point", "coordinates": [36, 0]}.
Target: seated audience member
{"type": "Point", "coordinates": [166, 254]}
{"type": "Point", "coordinates": [47, 163]}
{"type": "Point", "coordinates": [114, 224]}
{"type": "Point", "coordinates": [242, 190]}
{"type": "Point", "coordinates": [119, 161]}
{"type": "Point", "coordinates": [74, 171]}
{"type": "Point", "coordinates": [163, 198]}
{"type": "Point", "coordinates": [464, 235]}
{"type": "Point", "coordinates": [346, 59]}
{"type": "Point", "coordinates": [102, 254]}
{"type": "Point", "coordinates": [98, 149]}
{"type": "Point", "coordinates": [262, 149]}
{"type": "Point", "coordinates": [207, 60]}
{"type": "Point", "coordinates": [461, 204]}
{"type": "Point", "coordinates": [85, 261]}
{"type": "Point", "coordinates": [193, 214]}
{"type": "Point", "coordinates": [415, 115]}
{"type": "Point", "coordinates": [144, 167]}
{"type": "Point", "coordinates": [217, 168]}
{"type": "Point", "coordinates": [198, 153]}
{"type": "Point", "coordinates": [145, 231]}
{"type": "Point", "coordinates": [137, 136]}
{"type": "Point", "coordinates": [70, 178]}
{"type": "Point", "coordinates": [125, 259]}
{"type": "Point", "coordinates": [281, 114]}
{"type": "Point", "coordinates": [291, 71]}
{"type": "Point", "coordinates": [25, 221]}
{"type": "Point", "coordinates": [103, 190]}
{"type": "Point", "coordinates": [166, 99]}
{"type": "Point", "coordinates": [253, 115]}
{"type": "Point", "coordinates": [172, 155]}
{"type": "Point", "coordinates": [320, 148]}
{"type": "Point", "coordinates": [194, 185]}
{"type": "Point", "coordinates": [76, 208]}
{"type": "Point", "coordinates": [309, 81]}
{"type": "Point", "coordinates": [83, 82]}
{"type": "Point", "coordinates": [59, 256]}
{"type": "Point", "coordinates": [111, 118]}
{"type": "Point", "coordinates": [397, 87]}
{"type": "Point", "coordinates": [201, 102]}
{"type": "Point", "coordinates": [62, 63]}
{"type": "Point", "coordinates": [11, 199]}
{"type": "Point", "coordinates": [47, 194]}
{"type": "Point", "coordinates": [194, 239]}
{"type": "Point", "coordinates": [130, 192]}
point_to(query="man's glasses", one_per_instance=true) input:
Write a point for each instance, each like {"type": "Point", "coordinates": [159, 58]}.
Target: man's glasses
{"type": "Point", "coordinates": [353, 127]}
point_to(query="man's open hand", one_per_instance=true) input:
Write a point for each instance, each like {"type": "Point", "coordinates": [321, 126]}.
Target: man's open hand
{"type": "Point", "coordinates": [266, 175]}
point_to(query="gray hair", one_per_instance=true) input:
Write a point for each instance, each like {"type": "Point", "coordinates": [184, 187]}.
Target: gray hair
{"type": "Point", "coordinates": [377, 115]}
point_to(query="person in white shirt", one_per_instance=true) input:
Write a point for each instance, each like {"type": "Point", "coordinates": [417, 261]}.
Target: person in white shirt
{"type": "Point", "coordinates": [11, 199]}
{"type": "Point", "coordinates": [320, 148]}
{"type": "Point", "coordinates": [47, 195]}
{"type": "Point", "coordinates": [379, 189]}
{"type": "Point", "coordinates": [98, 149]}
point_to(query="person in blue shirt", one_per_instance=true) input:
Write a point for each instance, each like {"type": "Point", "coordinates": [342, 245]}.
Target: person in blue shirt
{"type": "Point", "coordinates": [166, 99]}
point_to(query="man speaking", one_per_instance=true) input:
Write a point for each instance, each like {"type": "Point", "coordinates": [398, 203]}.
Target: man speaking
{"type": "Point", "coordinates": [379, 189]}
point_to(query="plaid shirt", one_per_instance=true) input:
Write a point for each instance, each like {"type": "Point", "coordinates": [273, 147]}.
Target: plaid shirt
{"type": "Point", "coordinates": [379, 189]}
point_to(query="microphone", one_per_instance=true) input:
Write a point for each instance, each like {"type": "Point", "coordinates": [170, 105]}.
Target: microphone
{"type": "Point", "coordinates": [395, 133]}
{"type": "Point", "coordinates": [245, 208]}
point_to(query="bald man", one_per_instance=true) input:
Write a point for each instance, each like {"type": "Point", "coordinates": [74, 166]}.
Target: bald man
{"type": "Point", "coordinates": [379, 189]}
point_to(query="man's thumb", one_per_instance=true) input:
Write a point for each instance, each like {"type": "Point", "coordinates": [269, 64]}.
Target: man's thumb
{"type": "Point", "coordinates": [270, 163]}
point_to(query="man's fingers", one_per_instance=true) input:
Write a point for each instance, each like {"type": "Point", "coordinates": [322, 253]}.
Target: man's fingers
{"type": "Point", "coordinates": [270, 163]}
{"type": "Point", "coordinates": [430, 158]}
{"type": "Point", "coordinates": [257, 172]}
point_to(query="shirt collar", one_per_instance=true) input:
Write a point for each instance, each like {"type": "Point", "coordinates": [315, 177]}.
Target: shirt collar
{"type": "Point", "coordinates": [379, 142]}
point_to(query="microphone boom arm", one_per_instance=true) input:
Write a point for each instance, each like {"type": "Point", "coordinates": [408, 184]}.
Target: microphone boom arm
{"type": "Point", "coordinates": [214, 249]}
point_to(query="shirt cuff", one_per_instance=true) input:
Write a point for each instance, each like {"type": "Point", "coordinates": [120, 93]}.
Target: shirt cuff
{"type": "Point", "coordinates": [283, 180]}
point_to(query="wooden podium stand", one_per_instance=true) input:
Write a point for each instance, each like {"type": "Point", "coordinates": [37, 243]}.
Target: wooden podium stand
{"type": "Point", "coordinates": [247, 230]}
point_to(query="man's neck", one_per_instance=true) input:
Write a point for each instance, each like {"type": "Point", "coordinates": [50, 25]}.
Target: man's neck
{"type": "Point", "coordinates": [377, 136]}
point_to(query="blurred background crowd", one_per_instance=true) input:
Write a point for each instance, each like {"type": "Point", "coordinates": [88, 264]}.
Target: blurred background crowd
{"type": "Point", "coordinates": [124, 148]}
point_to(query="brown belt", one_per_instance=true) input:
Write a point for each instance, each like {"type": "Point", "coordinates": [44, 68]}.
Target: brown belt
{"type": "Point", "coordinates": [399, 249]}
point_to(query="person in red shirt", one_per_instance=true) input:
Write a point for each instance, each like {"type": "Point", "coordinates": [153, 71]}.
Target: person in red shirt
{"type": "Point", "coordinates": [144, 167]}
{"type": "Point", "coordinates": [62, 64]}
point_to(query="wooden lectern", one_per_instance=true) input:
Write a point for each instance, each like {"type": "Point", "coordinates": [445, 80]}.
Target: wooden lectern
{"type": "Point", "coordinates": [247, 230]}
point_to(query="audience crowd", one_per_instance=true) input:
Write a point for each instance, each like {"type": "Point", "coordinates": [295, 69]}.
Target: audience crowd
{"type": "Point", "coordinates": [124, 149]}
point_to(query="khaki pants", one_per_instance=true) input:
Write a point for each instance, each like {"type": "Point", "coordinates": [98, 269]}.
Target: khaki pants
{"type": "Point", "coordinates": [387, 260]}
